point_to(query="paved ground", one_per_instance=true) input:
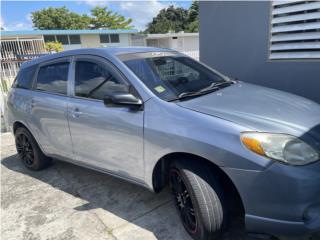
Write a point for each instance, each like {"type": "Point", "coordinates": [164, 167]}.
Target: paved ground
{"type": "Point", "coordinates": [70, 202]}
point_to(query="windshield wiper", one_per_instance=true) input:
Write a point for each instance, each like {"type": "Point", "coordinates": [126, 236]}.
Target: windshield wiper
{"type": "Point", "coordinates": [212, 87]}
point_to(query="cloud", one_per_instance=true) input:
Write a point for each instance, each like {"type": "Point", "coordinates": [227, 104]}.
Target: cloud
{"type": "Point", "coordinates": [16, 26]}
{"type": "Point", "coordinates": [96, 2]}
{"type": "Point", "coordinates": [141, 12]}
{"type": "Point", "coordinates": [29, 17]}
{"type": "Point", "coordinates": [2, 23]}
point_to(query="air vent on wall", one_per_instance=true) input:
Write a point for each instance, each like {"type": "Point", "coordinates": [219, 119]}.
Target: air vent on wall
{"type": "Point", "coordinates": [295, 30]}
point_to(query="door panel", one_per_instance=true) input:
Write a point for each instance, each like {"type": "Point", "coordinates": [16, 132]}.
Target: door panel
{"type": "Point", "coordinates": [106, 137]}
{"type": "Point", "coordinates": [49, 117]}
{"type": "Point", "coordinates": [109, 138]}
{"type": "Point", "coordinates": [49, 108]}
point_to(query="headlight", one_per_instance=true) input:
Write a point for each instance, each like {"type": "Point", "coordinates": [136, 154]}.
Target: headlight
{"type": "Point", "coordinates": [281, 147]}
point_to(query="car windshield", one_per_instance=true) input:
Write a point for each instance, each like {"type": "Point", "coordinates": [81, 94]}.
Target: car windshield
{"type": "Point", "coordinates": [173, 76]}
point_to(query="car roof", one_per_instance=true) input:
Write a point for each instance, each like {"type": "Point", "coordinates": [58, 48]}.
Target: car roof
{"type": "Point", "coordinates": [107, 52]}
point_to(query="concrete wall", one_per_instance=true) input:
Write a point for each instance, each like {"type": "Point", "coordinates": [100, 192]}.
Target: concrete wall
{"type": "Point", "coordinates": [234, 40]}
{"type": "Point", "coordinates": [89, 41]}
{"type": "Point", "coordinates": [191, 43]}
{"type": "Point", "coordinates": [93, 41]}
{"type": "Point", "coordinates": [181, 43]}
{"type": "Point", "coordinates": [71, 46]}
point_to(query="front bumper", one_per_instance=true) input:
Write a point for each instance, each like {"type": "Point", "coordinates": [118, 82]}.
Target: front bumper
{"type": "Point", "coordinates": [281, 200]}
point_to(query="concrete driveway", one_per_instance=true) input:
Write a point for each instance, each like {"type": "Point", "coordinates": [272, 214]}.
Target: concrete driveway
{"type": "Point", "coordinates": [69, 202]}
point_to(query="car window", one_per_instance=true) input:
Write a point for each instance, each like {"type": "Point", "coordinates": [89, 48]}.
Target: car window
{"type": "Point", "coordinates": [25, 78]}
{"type": "Point", "coordinates": [94, 80]}
{"type": "Point", "coordinates": [169, 76]}
{"type": "Point", "coordinates": [53, 78]}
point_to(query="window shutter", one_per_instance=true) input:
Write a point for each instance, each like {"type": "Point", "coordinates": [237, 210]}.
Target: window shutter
{"type": "Point", "coordinates": [295, 30]}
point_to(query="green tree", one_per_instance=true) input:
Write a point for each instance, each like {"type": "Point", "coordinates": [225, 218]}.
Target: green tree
{"type": "Point", "coordinates": [175, 19]}
{"type": "Point", "coordinates": [58, 18]}
{"type": "Point", "coordinates": [62, 19]}
{"type": "Point", "coordinates": [193, 17]}
{"type": "Point", "coordinates": [168, 19]}
{"type": "Point", "coordinates": [102, 18]}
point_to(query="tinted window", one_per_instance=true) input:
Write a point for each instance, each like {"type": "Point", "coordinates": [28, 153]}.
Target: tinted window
{"type": "Point", "coordinates": [104, 38]}
{"type": "Point", "coordinates": [49, 38]}
{"type": "Point", "coordinates": [93, 80]}
{"type": "Point", "coordinates": [170, 76]}
{"type": "Point", "coordinates": [74, 39]}
{"type": "Point", "coordinates": [24, 78]}
{"type": "Point", "coordinates": [114, 38]}
{"type": "Point", "coordinates": [53, 78]}
{"type": "Point", "coordinates": [63, 39]}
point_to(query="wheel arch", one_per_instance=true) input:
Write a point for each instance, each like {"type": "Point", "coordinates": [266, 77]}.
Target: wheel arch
{"type": "Point", "coordinates": [18, 124]}
{"type": "Point", "coordinates": [161, 169]}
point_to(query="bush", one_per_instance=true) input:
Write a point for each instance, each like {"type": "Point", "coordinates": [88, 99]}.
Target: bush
{"type": "Point", "coordinates": [53, 47]}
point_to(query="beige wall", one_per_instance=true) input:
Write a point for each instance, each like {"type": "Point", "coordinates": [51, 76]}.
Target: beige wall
{"type": "Point", "coordinates": [93, 41]}
{"type": "Point", "coordinates": [90, 41]}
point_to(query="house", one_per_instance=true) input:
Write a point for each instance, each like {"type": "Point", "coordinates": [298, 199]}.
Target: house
{"type": "Point", "coordinates": [187, 43]}
{"type": "Point", "coordinates": [275, 44]}
{"type": "Point", "coordinates": [73, 39]}
{"type": "Point", "coordinates": [20, 46]}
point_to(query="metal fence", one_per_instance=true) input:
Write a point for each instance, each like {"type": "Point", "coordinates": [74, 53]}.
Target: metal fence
{"type": "Point", "coordinates": [192, 54]}
{"type": "Point", "coordinates": [13, 53]}
{"type": "Point", "coordinates": [14, 49]}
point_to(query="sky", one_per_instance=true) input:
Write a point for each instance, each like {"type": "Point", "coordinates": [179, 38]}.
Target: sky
{"type": "Point", "coordinates": [16, 15]}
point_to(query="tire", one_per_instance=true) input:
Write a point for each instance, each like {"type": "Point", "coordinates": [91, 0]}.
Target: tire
{"type": "Point", "coordinates": [29, 152]}
{"type": "Point", "coordinates": [207, 199]}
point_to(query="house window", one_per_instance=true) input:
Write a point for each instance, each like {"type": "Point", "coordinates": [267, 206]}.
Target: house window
{"type": "Point", "coordinates": [74, 39]}
{"type": "Point", "coordinates": [63, 39]}
{"type": "Point", "coordinates": [109, 38]}
{"type": "Point", "coordinates": [104, 38]}
{"type": "Point", "coordinates": [114, 38]}
{"type": "Point", "coordinates": [49, 38]}
{"type": "Point", "coordinates": [295, 30]}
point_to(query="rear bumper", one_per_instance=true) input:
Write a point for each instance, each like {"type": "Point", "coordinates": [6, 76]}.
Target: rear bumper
{"type": "Point", "coordinates": [281, 200]}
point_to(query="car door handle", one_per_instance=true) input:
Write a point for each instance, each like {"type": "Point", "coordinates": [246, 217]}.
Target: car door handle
{"type": "Point", "coordinates": [76, 113]}
{"type": "Point", "coordinates": [33, 103]}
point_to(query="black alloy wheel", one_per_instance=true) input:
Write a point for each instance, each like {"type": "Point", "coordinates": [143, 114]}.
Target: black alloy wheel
{"type": "Point", "coordinates": [29, 151]}
{"type": "Point", "coordinates": [25, 149]}
{"type": "Point", "coordinates": [183, 201]}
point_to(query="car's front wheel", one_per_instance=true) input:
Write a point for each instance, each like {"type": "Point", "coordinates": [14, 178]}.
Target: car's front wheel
{"type": "Point", "coordinates": [198, 199]}
{"type": "Point", "coordinates": [28, 150]}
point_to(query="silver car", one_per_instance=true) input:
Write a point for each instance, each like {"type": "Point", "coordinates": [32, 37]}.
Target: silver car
{"type": "Point", "coordinates": [156, 117]}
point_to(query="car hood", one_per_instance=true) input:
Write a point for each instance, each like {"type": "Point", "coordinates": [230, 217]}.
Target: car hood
{"type": "Point", "coordinates": [260, 109]}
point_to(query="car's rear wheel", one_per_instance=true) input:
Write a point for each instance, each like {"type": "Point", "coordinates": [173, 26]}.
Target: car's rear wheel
{"type": "Point", "coordinates": [28, 150]}
{"type": "Point", "coordinates": [198, 199]}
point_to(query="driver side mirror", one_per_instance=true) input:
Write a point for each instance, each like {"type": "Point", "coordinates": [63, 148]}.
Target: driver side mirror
{"type": "Point", "coordinates": [121, 99]}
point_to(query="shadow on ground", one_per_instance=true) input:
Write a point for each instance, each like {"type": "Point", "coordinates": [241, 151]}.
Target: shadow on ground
{"type": "Point", "coordinates": [113, 201]}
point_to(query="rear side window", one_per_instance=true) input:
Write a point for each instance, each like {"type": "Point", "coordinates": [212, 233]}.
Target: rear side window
{"type": "Point", "coordinates": [53, 78]}
{"type": "Point", "coordinates": [25, 78]}
{"type": "Point", "coordinates": [94, 80]}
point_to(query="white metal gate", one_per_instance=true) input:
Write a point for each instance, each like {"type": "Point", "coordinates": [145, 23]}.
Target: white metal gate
{"type": "Point", "coordinates": [13, 53]}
